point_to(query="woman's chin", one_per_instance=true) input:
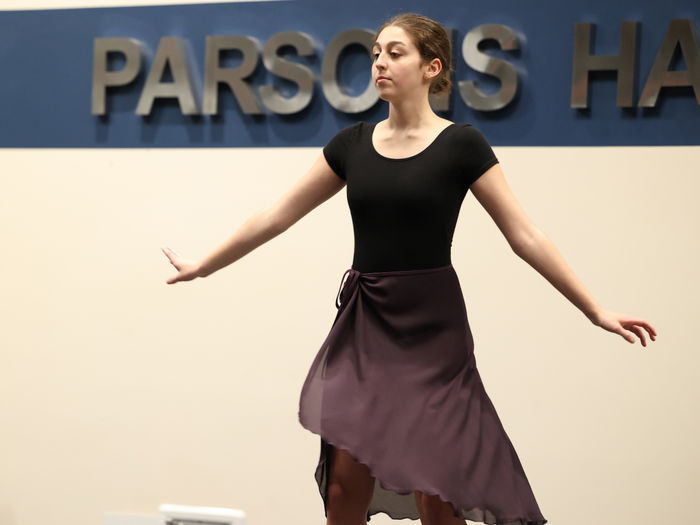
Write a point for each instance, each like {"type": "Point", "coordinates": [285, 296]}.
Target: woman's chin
{"type": "Point", "coordinates": [385, 95]}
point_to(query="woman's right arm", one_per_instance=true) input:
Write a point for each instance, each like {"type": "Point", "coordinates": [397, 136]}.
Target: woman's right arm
{"type": "Point", "coordinates": [318, 185]}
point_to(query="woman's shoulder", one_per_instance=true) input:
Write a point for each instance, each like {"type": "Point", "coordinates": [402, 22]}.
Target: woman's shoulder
{"type": "Point", "coordinates": [351, 132]}
{"type": "Point", "coordinates": [466, 126]}
{"type": "Point", "coordinates": [467, 131]}
{"type": "Point", "coordinates": [471, 148]}
{"type": "Point", "coordinates": [355, 127]}
{"type": "Point", "coordinates": [345, 140]}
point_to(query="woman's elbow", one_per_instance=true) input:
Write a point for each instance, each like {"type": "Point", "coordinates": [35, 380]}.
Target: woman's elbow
{"type": "Point", "coordinates": [274, 221]}
{"type": "Point", "coordinates": [525, 238]}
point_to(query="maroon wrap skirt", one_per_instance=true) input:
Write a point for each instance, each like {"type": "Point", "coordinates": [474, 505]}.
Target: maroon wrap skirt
{"type": "Point", "coordinates": [395, 384]}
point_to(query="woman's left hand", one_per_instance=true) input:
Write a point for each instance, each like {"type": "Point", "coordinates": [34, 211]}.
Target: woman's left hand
{"type": "Point", "coordinates": [624, 324]}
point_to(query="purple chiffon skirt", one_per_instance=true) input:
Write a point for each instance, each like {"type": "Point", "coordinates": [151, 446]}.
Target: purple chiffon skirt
{"type": "Point", "coordinates": [395, 384]}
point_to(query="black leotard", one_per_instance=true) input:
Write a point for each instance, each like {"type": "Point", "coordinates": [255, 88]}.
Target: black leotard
{"type": "Point", "coordinates": [404, 211]}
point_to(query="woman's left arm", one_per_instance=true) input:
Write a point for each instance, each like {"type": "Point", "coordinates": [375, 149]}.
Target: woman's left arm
{"type": "Point", "coordinates": [534, 247]}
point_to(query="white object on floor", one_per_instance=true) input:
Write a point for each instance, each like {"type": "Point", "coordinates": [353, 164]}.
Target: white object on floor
{"type": "Point", "coordinates": [207, 515]}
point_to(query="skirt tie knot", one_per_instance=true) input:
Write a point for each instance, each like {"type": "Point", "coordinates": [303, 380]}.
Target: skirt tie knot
{"type": "Point", "coordinates": [350, 283]}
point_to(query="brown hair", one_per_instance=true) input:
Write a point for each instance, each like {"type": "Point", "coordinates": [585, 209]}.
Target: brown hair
{"type": "Point", "coordinates": [432, 42]}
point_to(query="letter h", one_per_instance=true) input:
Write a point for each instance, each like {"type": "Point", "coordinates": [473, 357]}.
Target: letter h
{"type": "Point", "coordinates": [624, 64]}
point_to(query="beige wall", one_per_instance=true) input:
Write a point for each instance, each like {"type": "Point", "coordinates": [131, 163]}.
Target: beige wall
{"type": "Point", "coordinates": [120, 392]}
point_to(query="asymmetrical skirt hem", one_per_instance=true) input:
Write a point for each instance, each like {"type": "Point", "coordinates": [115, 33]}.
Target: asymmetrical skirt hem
{"type": "Point", "coordinates": [474, 513]}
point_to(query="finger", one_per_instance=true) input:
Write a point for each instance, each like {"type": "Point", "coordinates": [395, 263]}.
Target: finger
{"type": "Point", "coordinates": [637, 330]}
{"type": "Point", "coordinates": [651, 330]}
{"type": "Point", "coordinates": [170, 252]}
{"type": "Point", "coordinates": [625, 334]}
{"type": "Point", "coordinates": [174, 260]}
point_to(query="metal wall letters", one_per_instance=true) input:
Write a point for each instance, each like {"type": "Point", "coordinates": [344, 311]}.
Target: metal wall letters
{"type": "Point", "coordinates": [680, 32]}
{"type": "Point", "coordinates": [258, 100]}
{"type": "Point", "coordinates": [624, 64]}
{"type": "Point", "coordinates": [504, 71]}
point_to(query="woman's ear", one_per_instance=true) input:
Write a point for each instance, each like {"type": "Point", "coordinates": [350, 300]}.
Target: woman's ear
{"type": "Point", "coordinates": [434, 68]}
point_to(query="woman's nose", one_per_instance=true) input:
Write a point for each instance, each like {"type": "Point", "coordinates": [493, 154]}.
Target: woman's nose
{"type": "Point", "coordinates": [379, 62]}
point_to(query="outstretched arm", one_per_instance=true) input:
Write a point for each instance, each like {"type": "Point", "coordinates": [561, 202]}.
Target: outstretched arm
{"type": "Point", "coordinates": [318, 185]}
{"type": "Point", "coordinates": [534, 247]}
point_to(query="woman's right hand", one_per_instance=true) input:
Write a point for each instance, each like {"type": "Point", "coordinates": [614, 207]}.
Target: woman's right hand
{"type": "Point", "coordinates": [187, 269]}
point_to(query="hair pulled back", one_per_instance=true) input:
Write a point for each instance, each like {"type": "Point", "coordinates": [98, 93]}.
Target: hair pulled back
{"type": "Point", "coordinates": [432, 42]}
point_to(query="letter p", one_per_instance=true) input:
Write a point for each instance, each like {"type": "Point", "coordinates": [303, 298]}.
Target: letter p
{"type": "Point", "coordinates": [101, 78]}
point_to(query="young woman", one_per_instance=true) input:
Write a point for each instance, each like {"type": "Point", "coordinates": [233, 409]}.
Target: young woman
{"type": "Point", "coordinates": [405, 423]}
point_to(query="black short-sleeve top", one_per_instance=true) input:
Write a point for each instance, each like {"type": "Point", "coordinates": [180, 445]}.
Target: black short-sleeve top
{"type": "Point", "coordinates": [404, 211]}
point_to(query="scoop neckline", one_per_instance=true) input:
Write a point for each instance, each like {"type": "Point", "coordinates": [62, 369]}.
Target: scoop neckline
{"type": "Point", "coordinates": [371, 144]}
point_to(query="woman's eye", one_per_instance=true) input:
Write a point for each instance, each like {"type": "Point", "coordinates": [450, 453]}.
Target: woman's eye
{"type": "Point", "coordinates": [393, 54]}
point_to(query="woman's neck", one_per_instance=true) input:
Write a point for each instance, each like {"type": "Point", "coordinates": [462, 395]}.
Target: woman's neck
{"type": "Point", "coordinates": [410, 114]}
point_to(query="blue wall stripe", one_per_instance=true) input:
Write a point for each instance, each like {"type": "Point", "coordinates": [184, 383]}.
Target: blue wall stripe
{"type": "Point", "coordinates": [46, 61]}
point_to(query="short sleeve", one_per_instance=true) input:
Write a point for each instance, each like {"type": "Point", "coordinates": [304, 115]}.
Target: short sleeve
{"type": "Point", "coordinates": [337, 149]}
{"type": "Point", "coordinates": [476, 155]}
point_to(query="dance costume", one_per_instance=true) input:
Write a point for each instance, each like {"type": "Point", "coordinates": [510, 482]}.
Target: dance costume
{"type": "Point", "coordinates": [395, 383]}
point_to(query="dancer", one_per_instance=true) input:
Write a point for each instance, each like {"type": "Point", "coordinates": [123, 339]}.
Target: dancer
{"type": "Point", "coordinates": [405, 424]}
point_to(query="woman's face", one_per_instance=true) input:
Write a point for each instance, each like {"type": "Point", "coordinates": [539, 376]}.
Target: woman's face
{"type": "Point", "coordinates": [397, 68]}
